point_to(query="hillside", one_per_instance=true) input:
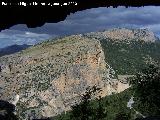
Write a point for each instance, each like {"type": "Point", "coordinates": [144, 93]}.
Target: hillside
{"type": "Point", "coordinates": [129, 58]}
{"type": "Point", "coordinates": [124, 35]}
{"type": "Point", "coordinates": [115, 106]}
{"type": "Point", "coordinates": [51, 77]}
{"type": "Point", "coordinates": [127, 50]}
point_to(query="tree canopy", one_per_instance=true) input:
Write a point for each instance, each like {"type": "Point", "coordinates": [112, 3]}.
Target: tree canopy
{"type": "Point", "coordinates": [146, 85]}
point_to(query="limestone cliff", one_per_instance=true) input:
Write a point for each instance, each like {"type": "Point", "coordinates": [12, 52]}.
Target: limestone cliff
{"type": "Point", "coordinates": [50, 77]}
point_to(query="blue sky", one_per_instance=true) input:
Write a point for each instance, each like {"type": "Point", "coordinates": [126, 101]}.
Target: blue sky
{"type": "Point", "coordinates": [89, 20]}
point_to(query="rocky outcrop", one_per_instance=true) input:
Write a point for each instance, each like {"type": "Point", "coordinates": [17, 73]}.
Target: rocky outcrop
{"type": "Point", "coordinates": [124, 34]}
{"type": "Point", "coordinates": [51, 76]}
{"type": "Point", "coordinates": [130, 34]}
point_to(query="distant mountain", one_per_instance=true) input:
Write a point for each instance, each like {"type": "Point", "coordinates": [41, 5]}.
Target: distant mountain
{"type": "Point", "coordinates": [12, 49]}
{"type": "Point", "coordinates": [124, 35]}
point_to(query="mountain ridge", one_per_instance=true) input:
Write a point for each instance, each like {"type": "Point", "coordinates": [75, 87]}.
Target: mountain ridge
{"type": "Point", "coordinates": [124, 34]}
{"type": "Point", "coordinates": [49, 77]}
{"type": "Point", "coordinates": [12, 49]}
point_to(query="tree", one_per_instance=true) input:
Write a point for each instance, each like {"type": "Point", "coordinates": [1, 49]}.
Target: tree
{"type": "Point", "coordinates": [101, 112]}
{"type": "Point", "coordinates": [146, 85]}
{"type": "Point", "coordinates": [85, 110]}
{"type": "Point", "coordinates": [7, 111]}
{"type": "Point", "coordinates": [123, 116]}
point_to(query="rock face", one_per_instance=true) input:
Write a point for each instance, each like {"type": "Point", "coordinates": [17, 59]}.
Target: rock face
{"type": "Point", "coordinates": [50, 77]}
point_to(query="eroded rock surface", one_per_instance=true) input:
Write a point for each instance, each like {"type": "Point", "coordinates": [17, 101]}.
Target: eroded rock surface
{"type": "Point", "coordinates": [50, 77]}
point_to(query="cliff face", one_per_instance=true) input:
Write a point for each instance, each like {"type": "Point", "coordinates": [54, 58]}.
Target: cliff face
{"type": "Point", "coordinates": [51, 76]}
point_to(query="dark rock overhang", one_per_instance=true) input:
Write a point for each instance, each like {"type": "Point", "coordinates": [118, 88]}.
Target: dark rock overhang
{"type": "Point", "coordinates": [36, 16]}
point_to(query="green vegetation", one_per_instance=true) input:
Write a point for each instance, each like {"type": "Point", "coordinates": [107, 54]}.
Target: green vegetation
{"type": "Point", "coordinates": [126, 58]}
{"type": "Point", "coordinates": [147, 93]}
{"type": "Point", "coordinates": [145, 89]}
{"type": "Point", "coordinates": [85, 110]}
{"type": "Point", "coordinates": [112, 107]}
{"type": "Point", "coordinates": [130, 58]}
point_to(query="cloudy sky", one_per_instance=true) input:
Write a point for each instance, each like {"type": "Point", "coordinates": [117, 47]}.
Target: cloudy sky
{"type": "Point", "coordinates": [85, 21]}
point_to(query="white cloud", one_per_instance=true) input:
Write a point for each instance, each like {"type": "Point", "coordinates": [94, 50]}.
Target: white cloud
{"type": "Point", "coordinates": [96, 19]}
{"type": "Point", "coordinates": [31, 34]}
{"type": "Point", "coordinates": [9, 37]}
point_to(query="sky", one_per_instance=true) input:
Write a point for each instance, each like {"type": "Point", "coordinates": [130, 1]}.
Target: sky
{"type": "Point", "coordinates": [90, 20]}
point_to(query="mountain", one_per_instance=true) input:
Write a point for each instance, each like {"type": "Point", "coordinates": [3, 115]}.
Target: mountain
{"type": "Point", "coordinates": [51, 77]}
{"type": "Point", "coordinates": [12, 49]}
{"type": "Point", "coordinates": [124, 35]}
{"type": "Point", "coordinates": [127, 50]}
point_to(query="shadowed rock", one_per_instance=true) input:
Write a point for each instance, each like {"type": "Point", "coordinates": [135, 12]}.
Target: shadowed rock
{"type": "Point", "coordinates": [6, 111]}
